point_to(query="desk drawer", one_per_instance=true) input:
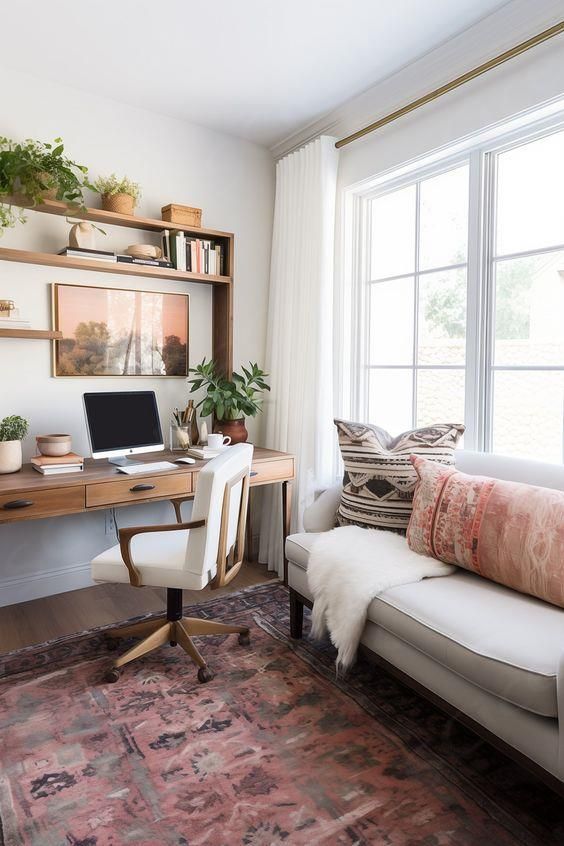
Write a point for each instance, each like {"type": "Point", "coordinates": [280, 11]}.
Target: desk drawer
{"type": "Point", "coordinates": [41, 503]}
{"type": "Point", "coordinates": [270, 471]}
{"type": "Point", "coordinates": [133, 489]}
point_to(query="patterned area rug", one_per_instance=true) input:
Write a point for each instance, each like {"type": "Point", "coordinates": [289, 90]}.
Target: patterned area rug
{"type": "Point", "coordinates": [273, 751]}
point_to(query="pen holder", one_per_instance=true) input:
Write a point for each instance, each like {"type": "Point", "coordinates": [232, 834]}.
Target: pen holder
{"type": "Point", "coordinates": [179, 438]}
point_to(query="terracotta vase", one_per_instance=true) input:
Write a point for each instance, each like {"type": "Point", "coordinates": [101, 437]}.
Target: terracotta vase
{"type": "Point", "coordinates": [10, 456]}
{"type": "Point", "coordinates": [234, 428]}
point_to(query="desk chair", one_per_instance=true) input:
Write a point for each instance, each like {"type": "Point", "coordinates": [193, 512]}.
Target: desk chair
{"type": "Point", "coordinates": [207, 550]}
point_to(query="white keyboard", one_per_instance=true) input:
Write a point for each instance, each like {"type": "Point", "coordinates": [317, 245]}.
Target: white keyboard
{"type": "Point", "coordinates": [153, 467]}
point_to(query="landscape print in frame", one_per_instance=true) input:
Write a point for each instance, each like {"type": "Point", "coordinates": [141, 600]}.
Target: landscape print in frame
{"type": "Point", "coordinates": [119, 332]}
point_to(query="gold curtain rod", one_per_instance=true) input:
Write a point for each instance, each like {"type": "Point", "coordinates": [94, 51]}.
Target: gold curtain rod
{"type": "Point", "coordinates": [557, 29]}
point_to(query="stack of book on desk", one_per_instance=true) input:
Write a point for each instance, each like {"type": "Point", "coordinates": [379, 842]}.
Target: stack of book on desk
{"type": "Point", "coordinates": [52, 465]}
{"type": "Point", "coordinates": [204, 452]}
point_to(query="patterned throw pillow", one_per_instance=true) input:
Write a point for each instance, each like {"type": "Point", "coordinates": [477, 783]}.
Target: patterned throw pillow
{"type": "Point", "coordinates": [379, 478]}
{"type": "Point", "coordinates": [508, 532]}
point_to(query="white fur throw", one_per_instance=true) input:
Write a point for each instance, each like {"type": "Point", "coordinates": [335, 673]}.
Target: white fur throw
{"type": "Point", "coordinates": [347, 568]}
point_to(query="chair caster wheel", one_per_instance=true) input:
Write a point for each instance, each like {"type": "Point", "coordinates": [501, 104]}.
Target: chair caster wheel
{"type": "Point", "coordinates": [112, 675]}
{"type": "Point", "coordinates": [244, 638]}
{"type": "Point", "coordinates": [204, 675]}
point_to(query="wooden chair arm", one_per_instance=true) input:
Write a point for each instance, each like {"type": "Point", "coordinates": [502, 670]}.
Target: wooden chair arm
{"type": "Point", "coordinates": [127, 535]}
{"type": "Point", "coordinates": [177, 505]}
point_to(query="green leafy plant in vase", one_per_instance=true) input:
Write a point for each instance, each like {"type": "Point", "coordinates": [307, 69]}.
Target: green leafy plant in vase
{"type": "Point", "coordinates": [34, 171]}
{"type": "Point", "coordinates": [118, 195]}
{"type": "Point", "coordinates": [229, 400]}
{"type": "Point", "coordinates": [12, 432]}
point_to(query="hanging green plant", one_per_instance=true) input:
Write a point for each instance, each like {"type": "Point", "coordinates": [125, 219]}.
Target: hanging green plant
{"type": "Point", "coordinates": [34, 171]}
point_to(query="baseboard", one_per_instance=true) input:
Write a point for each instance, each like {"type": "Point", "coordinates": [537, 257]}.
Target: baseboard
{"type": "Point", "coordinates": [44, 583]}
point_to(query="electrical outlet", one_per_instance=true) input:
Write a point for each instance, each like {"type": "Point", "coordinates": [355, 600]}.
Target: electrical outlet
{"type": "Point", "coordinates": [110, 523]}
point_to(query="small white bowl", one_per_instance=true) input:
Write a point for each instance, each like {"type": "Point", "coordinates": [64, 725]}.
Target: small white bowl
{"type": "Point", "coordinates": [54, 445]}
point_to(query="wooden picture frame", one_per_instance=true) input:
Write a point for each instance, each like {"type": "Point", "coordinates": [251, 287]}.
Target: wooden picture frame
{"type": "Point", "coordinates": [119, 332]}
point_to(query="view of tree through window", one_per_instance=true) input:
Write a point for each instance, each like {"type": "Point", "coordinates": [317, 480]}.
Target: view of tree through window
{"type": "Point", "coordinates": [415, 369]}
{"type": "Point", "coordinates": [419, 244]}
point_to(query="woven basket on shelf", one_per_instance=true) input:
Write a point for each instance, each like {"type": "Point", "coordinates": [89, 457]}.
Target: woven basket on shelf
{"type": "Point", "coordinates": [119, 203]}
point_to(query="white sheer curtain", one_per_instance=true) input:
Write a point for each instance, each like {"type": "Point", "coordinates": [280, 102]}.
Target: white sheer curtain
{"type": "Point", "coordinates": [299, 409]}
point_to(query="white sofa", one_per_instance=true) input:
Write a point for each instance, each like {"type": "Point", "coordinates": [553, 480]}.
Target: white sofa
{"type": "Point", "coordinates": [492, 657]}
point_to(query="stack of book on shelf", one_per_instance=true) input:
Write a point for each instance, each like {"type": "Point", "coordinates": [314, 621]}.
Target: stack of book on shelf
{"type": "Point", "coordinates": [53, 465]}
{"type": "Point", "coordinates": [103, 255]}
{"type": "Point", "coordinates": [195, 255]}
{"type": "Point", "coordinates": [204, 452]}
{"type": "Point", "coordinates": [81, 252]}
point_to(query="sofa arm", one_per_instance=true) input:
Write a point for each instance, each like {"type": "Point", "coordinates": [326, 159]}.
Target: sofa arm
{"type": "Point", "coordinates": [320, 516]}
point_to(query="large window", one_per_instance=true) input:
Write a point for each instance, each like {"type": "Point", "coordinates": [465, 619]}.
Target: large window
{"type": "Point", "coordinates": [461, 298]}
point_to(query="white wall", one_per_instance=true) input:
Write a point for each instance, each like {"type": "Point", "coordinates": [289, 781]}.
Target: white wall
{"type": "Point", "coordinates": [520, 84]}
{"type": "Point", "coordinates": [230, 179]}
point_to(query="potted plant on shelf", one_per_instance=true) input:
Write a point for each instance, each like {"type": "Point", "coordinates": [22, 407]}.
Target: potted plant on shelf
{"type": "Point", "coordinates": [34, 171]}
{"type": "Point", "coordinates": [118, 195]}
{"type": "Point", "coordinates": [229, 400]}
{"type": "Point", "coordinates": [12, 431]}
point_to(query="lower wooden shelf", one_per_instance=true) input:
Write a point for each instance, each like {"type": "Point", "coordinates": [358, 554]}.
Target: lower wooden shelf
{"type": "Point", "coordinates": [42, 334]}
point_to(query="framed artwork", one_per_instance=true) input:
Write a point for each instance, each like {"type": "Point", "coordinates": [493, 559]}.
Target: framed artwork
{"type": "Point", "coordinates": [119, 332]}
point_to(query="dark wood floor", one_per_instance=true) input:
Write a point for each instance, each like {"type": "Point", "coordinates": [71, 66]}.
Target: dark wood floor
{"type": "Point", "coordinates": [65, 613]}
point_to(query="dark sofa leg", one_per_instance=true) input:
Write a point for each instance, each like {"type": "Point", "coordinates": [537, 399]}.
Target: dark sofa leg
{"type": "Point", "coordinates": [296, 615]}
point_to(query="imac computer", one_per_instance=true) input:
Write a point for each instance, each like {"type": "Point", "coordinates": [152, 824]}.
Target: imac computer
{"type": "Point", "coordinates": [122, 423]}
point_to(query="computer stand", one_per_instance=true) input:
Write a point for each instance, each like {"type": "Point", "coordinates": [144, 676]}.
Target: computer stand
{"type": "Point", "coordinates": [122, 461]}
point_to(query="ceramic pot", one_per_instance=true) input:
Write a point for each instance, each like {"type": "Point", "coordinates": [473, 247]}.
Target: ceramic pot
{"type": "Point", "coordinates": [48, 193]}
{"type": "Point", "coordinates": [119, 203]}
{"type": "Point", "coordinates": [10, 456]}
{"type": "Point", "coordinates": [54, 445]}
{"type": "Point", "coordinates": [236, 430]}
{"type": "Point", "coordinates": [83, 235]}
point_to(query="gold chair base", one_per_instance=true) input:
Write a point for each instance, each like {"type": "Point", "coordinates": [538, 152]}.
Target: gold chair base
{"type": "Point", "coordinates": [156, 633]}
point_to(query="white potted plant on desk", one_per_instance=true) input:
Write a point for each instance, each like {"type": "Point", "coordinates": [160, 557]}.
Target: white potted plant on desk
{"type": "Point", "coordinates": [12, 431]}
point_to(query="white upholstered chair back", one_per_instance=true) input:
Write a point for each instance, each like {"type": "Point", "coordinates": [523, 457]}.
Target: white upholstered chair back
{"type": "Point", "coordinates": [221, 496]}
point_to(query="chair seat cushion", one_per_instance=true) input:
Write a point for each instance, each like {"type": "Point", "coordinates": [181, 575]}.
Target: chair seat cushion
{"type": "Point", "coordinates": [159, 556]}
{"type": "Point", "coordinates": [505, 642]}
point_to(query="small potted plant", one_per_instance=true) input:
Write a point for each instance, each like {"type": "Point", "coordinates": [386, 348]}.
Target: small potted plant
{"type": "Point", "coordinates": [12, 431]}
{"type": "Point", "coordinates": [34, 171]}
{"type": "Point", "coordinates": [229, 400]}
{"type": "Point", "coordinates": [118, 195]}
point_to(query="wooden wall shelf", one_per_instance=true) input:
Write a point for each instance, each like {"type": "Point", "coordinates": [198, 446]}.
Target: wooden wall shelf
{"type": "Point", "coordinates": [54, 260]}
{"type": "Point", "coordinates": [56, 207]}
{"type": "Point", "coordinates": [40, 334]}
{"type": "Point", "coordinates": [222, 288]}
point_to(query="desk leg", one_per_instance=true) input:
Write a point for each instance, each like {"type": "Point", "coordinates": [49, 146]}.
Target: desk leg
{"type": "Point", "coordinates": [286, 518]}
{"type": "Point", "coordinates": [249, 538]}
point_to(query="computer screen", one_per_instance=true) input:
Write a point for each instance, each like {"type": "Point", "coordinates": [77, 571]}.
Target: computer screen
{"type": "Point", "coordinates": [123, 421]}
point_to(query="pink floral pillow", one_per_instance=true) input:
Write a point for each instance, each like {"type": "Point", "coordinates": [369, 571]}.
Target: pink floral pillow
{"type": "Point", "coordinates": [505, 531]}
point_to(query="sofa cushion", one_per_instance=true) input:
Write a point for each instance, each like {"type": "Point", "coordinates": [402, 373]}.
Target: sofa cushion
{"type": "Point", "coordinates": [379, 478]}
{"type": "Point", "coordinates": [298, 547]}
{"type": "Point", "coordinates": [508, 532]}
{"type": "Point", "coordinates": [504, 642]}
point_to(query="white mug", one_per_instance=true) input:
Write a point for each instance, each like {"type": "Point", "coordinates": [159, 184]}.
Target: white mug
{"type": "Point", "coordinates": [217, 441]}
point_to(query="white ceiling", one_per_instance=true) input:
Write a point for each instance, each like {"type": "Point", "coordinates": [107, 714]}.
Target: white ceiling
{"type": "Point", "coordinates": [259, 69]}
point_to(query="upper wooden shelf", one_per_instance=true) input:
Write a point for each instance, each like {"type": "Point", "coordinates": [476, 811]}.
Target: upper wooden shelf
{"type": "Point", "coordinates": [131, 221]}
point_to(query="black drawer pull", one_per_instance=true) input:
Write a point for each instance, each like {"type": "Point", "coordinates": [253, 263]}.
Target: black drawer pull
{"type": "Point", "coordinates": [254, 473]}
{"type": "Point", "coordinates": [18, 503]}
{"type": "Point", "coordinates": [141, 487]}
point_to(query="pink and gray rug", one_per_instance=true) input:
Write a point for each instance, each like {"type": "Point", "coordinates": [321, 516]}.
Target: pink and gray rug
{"type": "Point", "coordinates": [274, 751]}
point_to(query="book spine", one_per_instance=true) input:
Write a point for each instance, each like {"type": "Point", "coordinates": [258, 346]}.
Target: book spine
{"type": "Point", "coordinates": [180, 251]}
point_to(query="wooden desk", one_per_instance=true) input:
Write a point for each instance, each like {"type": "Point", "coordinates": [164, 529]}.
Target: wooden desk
{"type": "Point", "coordinates": [28, 495]}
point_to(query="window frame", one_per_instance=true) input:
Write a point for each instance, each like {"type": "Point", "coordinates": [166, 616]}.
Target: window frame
{"type": "Point", "coordinates": [481, 153]}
